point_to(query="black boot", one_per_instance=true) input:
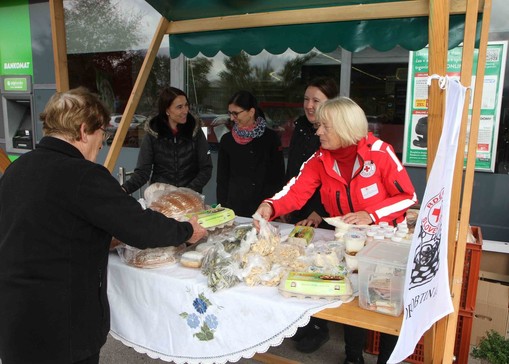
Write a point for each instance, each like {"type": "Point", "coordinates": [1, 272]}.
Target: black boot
{"type": "Point", "coordinates": [313, 339]}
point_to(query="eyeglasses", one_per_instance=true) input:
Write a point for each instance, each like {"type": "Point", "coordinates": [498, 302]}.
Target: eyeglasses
{"type": "Point", "coordinates": [106, 134]}
{"type": "Point", "coordinates": [235, 113]}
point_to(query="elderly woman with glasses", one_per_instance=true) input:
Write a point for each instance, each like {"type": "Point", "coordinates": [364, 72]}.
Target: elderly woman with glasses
{"type": "Point", "coordinates": [58, 214]}
{"type": "Point", "coordinates": [360, 178]}
{"type": "Point", "coordinates": [250, 163]}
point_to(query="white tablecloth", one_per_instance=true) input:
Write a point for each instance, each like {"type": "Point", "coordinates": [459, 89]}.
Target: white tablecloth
{"type": "Point", "coordinates": [169, 313]}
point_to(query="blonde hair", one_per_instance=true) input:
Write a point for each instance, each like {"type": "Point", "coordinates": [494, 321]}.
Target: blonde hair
{"type": "Point", "coordinates": [347, 118]}
{"type": "Point", "coordinates": [65, 112]}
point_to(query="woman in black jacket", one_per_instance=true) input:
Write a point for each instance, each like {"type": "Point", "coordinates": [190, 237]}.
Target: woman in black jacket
{"type": "Point", "coordinates": [58, 213]}
{"type": "Point", "coordinates": [250, 163]}
{"type": "Point", "coordinates": [305, 143]}
{"type": "Point", "coordinates": [174, 150]}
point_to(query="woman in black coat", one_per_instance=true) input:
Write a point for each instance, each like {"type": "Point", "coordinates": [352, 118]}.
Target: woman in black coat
{"type": "Point", "coordinates": [58, 214]}
{"type": "Point", "coordinates": [305, 143]}
{"type": "Point", "coordinates": [174, 150]}
{"type": "Point", "coordinates": [250, 163]}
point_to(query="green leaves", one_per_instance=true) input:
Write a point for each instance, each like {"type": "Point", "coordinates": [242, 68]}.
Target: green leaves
{"type": "Point", "coordinates": [205, 334]}
{"type": "Point", "coordinates": [492, 347]}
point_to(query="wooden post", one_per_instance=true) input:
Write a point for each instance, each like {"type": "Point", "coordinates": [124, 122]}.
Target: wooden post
{"type": "Point", "coordinates": [438, 47]}
{"type": "Point", "coordinates": [135, 96]}
{"type": "Point", "coordinates": [466, 198]}
{"type": "Point", "coordinates": [56, 8]}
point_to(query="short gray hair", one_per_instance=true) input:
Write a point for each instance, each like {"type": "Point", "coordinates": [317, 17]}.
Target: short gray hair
{"type": "Point", "coordinates": [347, 118]}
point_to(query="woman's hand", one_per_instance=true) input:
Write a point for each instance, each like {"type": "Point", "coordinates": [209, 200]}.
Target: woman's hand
{"type": "Point", "coordinates": [358, 218]}
{"type": "Point", "coordinates": [265, 210]}
{"type": "Point", "coordinates": [198, 231]}
{"type": "Point", "coordinates": [312, 220]}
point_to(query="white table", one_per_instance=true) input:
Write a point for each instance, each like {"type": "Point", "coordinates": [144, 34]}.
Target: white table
{"type": "Point", "coordinates": [152, 311]}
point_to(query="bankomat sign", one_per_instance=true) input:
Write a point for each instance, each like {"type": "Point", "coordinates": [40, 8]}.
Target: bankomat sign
{"type": "Point", "coordinates": [17, 65]}
{"type": "Point", "coordinates": [15, 38]}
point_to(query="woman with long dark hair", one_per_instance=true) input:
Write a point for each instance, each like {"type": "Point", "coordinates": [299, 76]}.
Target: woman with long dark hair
{"type": "Point", "coordinates": [174, 149]}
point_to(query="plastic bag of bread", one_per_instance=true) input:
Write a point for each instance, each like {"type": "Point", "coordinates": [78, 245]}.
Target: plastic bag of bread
{"type": "Point", "coordinates": [151, 257]}
{"type": "Point", "coordinates": [155, 190]}
{"type": "Point", "coordinates": [177, 202]}
{"type": "Point", "coordinates": [267, 239]}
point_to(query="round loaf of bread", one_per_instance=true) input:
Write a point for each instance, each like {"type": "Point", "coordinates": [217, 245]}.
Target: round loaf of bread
{"type": "Point", "coordinates": [179, 202]}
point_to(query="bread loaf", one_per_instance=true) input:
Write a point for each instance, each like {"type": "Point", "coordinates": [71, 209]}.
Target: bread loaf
{"type": "Point", "coordinates": [151, 257]}
{"type": "Point", "coordinates": [179, 202]}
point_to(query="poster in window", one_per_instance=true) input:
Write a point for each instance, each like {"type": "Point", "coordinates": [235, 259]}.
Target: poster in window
{"type": "Point", "coordinates": [415, 149]}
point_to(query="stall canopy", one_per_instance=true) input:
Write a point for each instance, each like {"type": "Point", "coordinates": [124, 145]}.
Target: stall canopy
{"type": "Point", "coordinates": [410, 33]}
{"type": "Point", "coordinates": [209, 26]}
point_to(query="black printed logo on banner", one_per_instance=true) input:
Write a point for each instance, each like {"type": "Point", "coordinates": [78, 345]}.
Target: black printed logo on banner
{"type": "Point", "coordinates": [426, 258]}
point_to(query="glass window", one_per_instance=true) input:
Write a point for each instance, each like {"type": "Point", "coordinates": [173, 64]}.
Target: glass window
{"type": "Point", "coordinates": [106, 45]}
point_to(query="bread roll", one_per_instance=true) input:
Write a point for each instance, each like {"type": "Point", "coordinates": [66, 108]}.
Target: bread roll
{"type": "Point", "coordinates": [191, 259]}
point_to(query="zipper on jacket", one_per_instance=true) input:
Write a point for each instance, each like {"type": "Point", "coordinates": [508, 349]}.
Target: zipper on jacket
{"type": "Point", "coordinates": [100, 293]}
{"type": "Point", "coordinates": [350, 204]}
{"type": "Point", "coordinates": [339, 204]}
{"type": "Point", "coordinates": [398, 186]}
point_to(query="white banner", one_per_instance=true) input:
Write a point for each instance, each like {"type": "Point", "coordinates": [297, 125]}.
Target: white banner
{"type": "Point", "coordinates": [426, 296]}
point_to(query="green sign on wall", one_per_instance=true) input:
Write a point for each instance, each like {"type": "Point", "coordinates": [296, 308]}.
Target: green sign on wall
{"type": "Point", "coordinates": [15, 40]}
{"type": "Point", "coordinates": [415, 151]}
{"type": "Point", "coordinates": [18, 84]}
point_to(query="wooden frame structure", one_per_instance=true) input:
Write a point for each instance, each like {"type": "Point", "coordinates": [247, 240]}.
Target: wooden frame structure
{"type": "Point", "coordinates": [440, 339]}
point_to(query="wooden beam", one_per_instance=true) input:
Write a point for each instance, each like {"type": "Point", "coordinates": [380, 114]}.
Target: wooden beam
{"type": "Point", "coordinates": [438, 47]}
{"type": "Point", "coordinates": [57, 18]}
{"type": "Point", "coordinates": [466, 198]}
{"type": "Point", "coordinates": [134, 98]}
{"type": "Point", "coordinates": [444, 349]}
{"type": "Point", "coordinates": [4, 161]}
{"type": "Point", "coordinates": [396, 9]}
{"type": "Point", "coordinates": [269, 358]}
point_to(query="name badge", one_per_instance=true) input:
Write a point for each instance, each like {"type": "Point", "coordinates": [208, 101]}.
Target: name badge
{"type": "Point", "coordinates": [369, 191]}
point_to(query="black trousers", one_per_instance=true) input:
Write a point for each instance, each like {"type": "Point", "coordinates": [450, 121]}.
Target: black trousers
{"type": "Point", "coordinates": [94, 359]}
{"type": "Point", "coordinates": [355, 340]}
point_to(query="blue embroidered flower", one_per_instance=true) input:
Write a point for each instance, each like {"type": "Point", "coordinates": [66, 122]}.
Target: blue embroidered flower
{"type": "Point", "coordinates": [205, 324]}
{"type": "Point", "coordinates": [199, 305]}
{"type": "Point", "coordinates": [193, 321]}
{"type": "Point", "coordinates": [211, 321]}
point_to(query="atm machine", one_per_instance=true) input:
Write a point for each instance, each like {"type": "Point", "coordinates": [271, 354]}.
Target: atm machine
{"type": "Point", "coordinates": [18, 113]}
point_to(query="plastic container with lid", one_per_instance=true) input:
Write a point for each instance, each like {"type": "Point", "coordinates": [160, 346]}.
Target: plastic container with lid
{"type": "Point", "coordinates": [382, 267]}
{"type": "Point", "coordinates": [354, 241]}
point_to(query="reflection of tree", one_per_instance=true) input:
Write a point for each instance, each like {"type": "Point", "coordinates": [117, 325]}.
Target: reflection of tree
{"type": "Point", "coordinates": [291, 81]}
{"type": "Point", "coordinates": [199, 84]}
{"type": "Point", "coordinates": [100, 25]}
{"type": "Point", "coordinates": [238, 74]}
{"type": "Point", "coordinates": [159, 77]}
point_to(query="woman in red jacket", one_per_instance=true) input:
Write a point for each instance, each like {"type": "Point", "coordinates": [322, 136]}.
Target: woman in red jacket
{"type": "Point", "coordinates": [359, 178]}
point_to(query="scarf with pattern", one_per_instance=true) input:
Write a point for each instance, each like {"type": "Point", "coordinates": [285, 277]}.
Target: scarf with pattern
{"type": "Point", "coordinates": [244, 136]}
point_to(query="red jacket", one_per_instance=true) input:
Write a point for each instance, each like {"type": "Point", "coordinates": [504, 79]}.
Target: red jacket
{"type": "Point", "coordinates": [379, 185]}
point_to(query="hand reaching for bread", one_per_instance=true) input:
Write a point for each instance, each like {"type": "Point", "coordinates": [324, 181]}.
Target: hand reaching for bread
{"type": "Point", "coordinates": [198, 231]}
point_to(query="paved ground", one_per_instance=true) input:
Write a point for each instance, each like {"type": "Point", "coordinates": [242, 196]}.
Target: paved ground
{"type": "Point", "coordinates": [114, 352]}
{"type": "Point", "coordinates": [330, 353]}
